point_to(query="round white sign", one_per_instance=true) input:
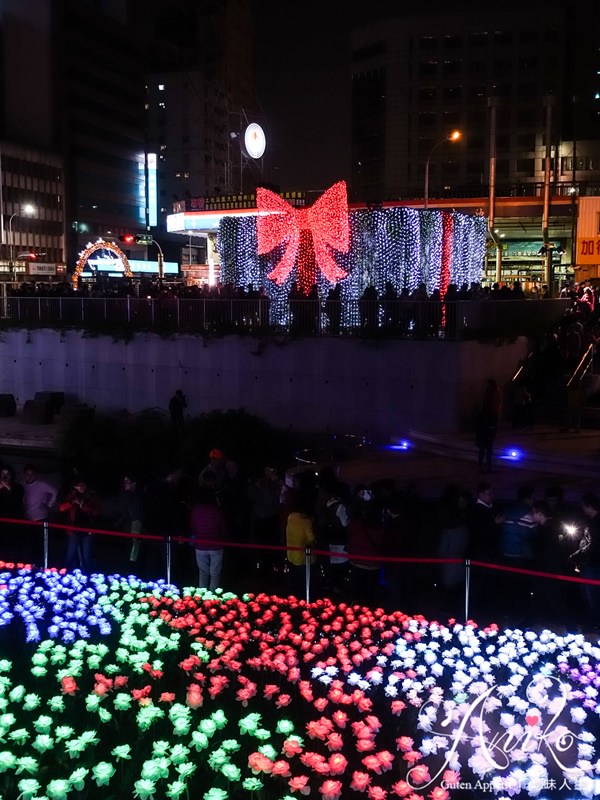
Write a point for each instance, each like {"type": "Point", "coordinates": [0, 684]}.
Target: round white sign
{"type": "Point", "coordinates": [254, 140]}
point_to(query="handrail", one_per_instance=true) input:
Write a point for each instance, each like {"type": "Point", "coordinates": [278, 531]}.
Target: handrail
{"type": "Point", "coordinates": [403, 319]}
{"type": "Point", "coordinates": [585, 363]}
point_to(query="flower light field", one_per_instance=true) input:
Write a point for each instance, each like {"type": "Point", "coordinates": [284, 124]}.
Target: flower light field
{"type": "Point", "coordinates": [111, 687]}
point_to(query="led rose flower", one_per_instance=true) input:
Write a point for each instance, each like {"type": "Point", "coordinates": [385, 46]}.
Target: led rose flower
{"type": "Point", "coordinates": [194, 698]}
{"type": "Point", "coordinates": [281, 768]}
{"type": "Point", "coordinates": [412, 756]}
{"type": "Point", "coordinates": [252, 784]}
{"type": "Point", "coordinates": [402, 789]}
{"type": "Point", "coordinates": [58, 788]}
{"type": "Point", "coordinates": [419, 774]}
{"type": "Point", "coordinates": [331, 790]}
{"type": "Point", "coordinates": [340, 718]}
{"type": "Point", "coordinates": [299, 784]}
{"type": "Point", "coordinates": [334, 742]}
{"type": "Point", "coordinates": [166, 697]}
{"type": "Point", "coordinates": [260, 763]}
{"type": "Point", "coordinates": [337, 764]}
{"type": "Point", "coordinates": [451, 777]}
{"type": "Point", "coordinates": [364, 745]}
{"type": "Point", "coordinates": [175, 790]}
{"type": "Point", "coordinates": [376, 793]}
{"type": "Point", "coordinates": [321, 704]}
{"type": "Point", "coordinates": [102, 773]}
{"type": "Point", "coordinates": [77, 778]}
{"type": "Point", "coordinates": [68, 685]}
{"type": "Point", "coordinates": [283, 700]}
{"type": "Point", "coordinates": [397, 707]}
{"type": "Point", "coordinates": [360, 781]}
{"type": "Point", "coordinates": [404, 743]}
{"type": "Point", "coordinates": [141, 694]}
{"type": "Point", "coordinates": [292, 746]}
{"type": "Point", "coordinates": [144, 789]}
{"type": "Point", "coordinates": [315, 761]}
{"type": "Point", "coordinates": [439, 793]}
{"type": "Point", "coordinates": [28, 788]}
{"type": "Point", "coordinates": [316, 729]}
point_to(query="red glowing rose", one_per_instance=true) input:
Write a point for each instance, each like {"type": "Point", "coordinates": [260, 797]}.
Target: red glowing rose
{"type": "Point", "coordinates": [281, 768]}
{"type": "Point", "coordinates": [439, 794]}
{"type": "Point", "coordinates": [283, 700]}
{"type": "Point", "coordinates": [335, 742]}
{"type": "Point", "coordinates": [141, 694]}
{"type": "Point", "coordinates": [298, 784]}
{"type": "Point", "coordinates": [364, 745]}
{"type": "Point", "coordinates": [419, 774]}
{"type": "Point", "coordinates": [331, 790]}
{"type": "Point", "coordinates": [405, 743]}
{"type": "Point", "coordinates": [402, 789]}
{"type": "Point", "coordinates": [194, 698]}
{"type": "Point", "coordinates": [360, 781]}
{"type": "Point", "coordinates": [68, 684]}
{"type": "Point", "coordinates": [291, 747]}
{"type": "Point", "coordinates": [376, 793]}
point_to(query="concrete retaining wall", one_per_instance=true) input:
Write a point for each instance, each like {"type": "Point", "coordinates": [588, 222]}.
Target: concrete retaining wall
{"type": "Point", "coordinates": [378, 389]}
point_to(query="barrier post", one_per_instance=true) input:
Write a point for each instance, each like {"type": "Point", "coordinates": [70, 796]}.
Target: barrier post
{"type": "Point", "coordinates": [467, 586]}
{"type": "Point", "coordinates": [46, 544]}
{"type": "Point", "coordinates": [168, 543]}
{"type": "Point", "coordinates": [307, 572]}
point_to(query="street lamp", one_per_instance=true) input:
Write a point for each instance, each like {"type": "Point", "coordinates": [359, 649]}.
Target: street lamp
{"type": "Point", "coordinates": [27, 210]}
{"type": "Point", "coordinates": [453, 137]}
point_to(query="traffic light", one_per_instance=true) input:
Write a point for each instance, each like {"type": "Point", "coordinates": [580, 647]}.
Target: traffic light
{"type": "Point", "coordinates": [138, 238]}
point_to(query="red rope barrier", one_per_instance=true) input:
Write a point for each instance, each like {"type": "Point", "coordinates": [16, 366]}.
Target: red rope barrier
{"type": "Point", "coordinates": [314, 551]}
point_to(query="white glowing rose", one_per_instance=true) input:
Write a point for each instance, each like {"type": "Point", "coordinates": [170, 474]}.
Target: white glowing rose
{"type": "Point", "coordinates": [578, 715]}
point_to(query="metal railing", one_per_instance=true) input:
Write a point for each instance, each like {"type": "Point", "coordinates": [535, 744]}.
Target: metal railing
{"type": "Point", "coordinates": [414, 567]}
{"type": "Point", "coordinates": [410, 319]}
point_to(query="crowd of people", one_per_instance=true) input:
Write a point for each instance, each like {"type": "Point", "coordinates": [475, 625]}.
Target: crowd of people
{"type": "Point", "coordinates": [366, 544]}
{"type": "Point", "coordinates": [416, 312]}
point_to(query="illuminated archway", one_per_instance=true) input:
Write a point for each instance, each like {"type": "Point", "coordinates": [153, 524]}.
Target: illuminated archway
{"type": "Point", "coordinates": [101, 245]}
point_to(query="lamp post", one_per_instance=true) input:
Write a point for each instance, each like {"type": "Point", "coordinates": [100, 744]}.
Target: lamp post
{"type": "Point", "coordinates": [27, 210]}
{"type": "Point", "coordinates": [161, 262]}
{"type": "Point", "coordinates": [453, 137]}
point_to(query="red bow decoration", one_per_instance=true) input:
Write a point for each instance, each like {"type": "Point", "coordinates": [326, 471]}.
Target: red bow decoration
{"type": "Point", "coordinates": [307, 233]}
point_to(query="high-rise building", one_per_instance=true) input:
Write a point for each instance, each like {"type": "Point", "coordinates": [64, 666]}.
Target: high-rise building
{"type": "Point", "coordinates": [72, 85]}
{"type": "Point", "coordinates": [199, 93]}
{"type": "Point", "coordinates": [520, 81]}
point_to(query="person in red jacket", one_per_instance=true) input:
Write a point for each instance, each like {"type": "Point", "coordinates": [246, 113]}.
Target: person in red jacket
{"type": "Point", "coordinates": [208, 533]}
{"type": "Point", "coordinates": [81, 508]}
{"type": "Point", "coordinates": [365, 546]}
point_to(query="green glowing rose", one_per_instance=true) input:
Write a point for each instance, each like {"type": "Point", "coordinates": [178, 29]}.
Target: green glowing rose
{"type": "Point", "coordinates": [56, 703]}
{"type": "Point", "coordinates": [102, 773]}
{"type": "Point", "coordinates": [175, 790]}
{"type": "Point", "coordinates": [28, 788]}
{"type": "Point", "coordinates": [27, 764]}
{"type": "Point", "coordinates": [77, 778]}
{"type": "Point", "coordinates": [42, 743]}
{"type": "Point", "coordinates": [122, 752]}
{"type": "Point", "coordinates": [57, 789]}
{"type": "Point", "coordinates": [63, 732]}
{"type": "Point", "coordinates": [144, 789]}
{"type": "Point", "coordinates": [7, 760]}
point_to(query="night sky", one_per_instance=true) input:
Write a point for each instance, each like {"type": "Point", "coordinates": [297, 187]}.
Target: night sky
{"type": "Point", "coordinates": [304, 89]}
